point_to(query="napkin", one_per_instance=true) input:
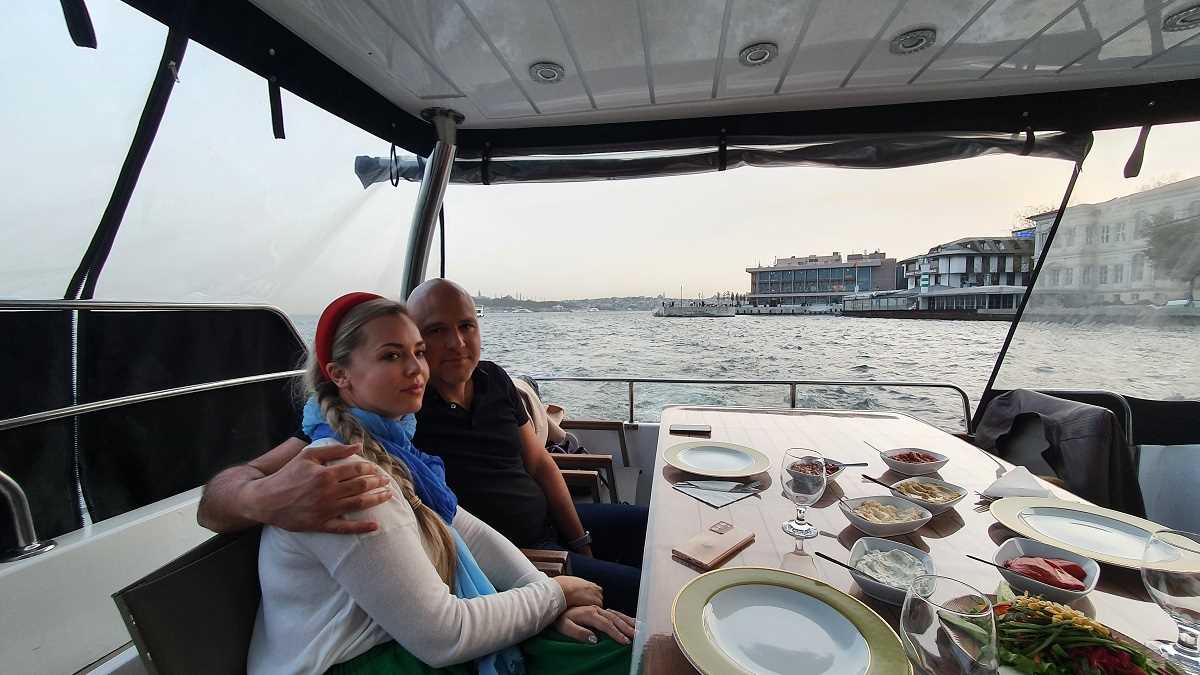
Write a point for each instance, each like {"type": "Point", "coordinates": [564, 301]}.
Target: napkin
{"type": "Point", "coordinates": [713, 498]}
{"type": "Point", "coordinates": [1018, 482]}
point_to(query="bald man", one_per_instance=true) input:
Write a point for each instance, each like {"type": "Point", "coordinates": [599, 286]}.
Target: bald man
{"type": "Point", "coordinates": [473, 418]}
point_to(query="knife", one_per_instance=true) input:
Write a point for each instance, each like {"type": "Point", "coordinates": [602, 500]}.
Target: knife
{"type": "Point", "coordinates": [720, 485]}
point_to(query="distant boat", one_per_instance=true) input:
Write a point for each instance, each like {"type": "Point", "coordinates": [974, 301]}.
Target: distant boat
{"type": "Point", "coordinates": [593, 309]}
{"type": "Point", "coordinates": [694, 309]}
{"type": "Point", "coordinates": [522, 310]}
{"type": "Point", "coordinates": [478, 312]}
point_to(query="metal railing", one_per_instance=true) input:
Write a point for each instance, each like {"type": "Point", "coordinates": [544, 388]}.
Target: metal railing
{"type": "Point", "coordinates": [790, 384]}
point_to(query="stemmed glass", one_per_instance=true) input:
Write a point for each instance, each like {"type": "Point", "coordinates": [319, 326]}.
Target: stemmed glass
{"type": "Point", "coordinates": [947, 627]}
{"type": "Point", "coordinates": [1171, 573]}
{"type": "Point", "coordinates": [803, 477]}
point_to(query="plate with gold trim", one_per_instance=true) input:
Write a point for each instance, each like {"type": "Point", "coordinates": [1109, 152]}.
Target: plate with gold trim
{"type": "Point", "coordinates": [717, 459]}
{"type": "Point", "coordinates": [766, 621]}
{"type": "Point", "coordinates": [1088, 530]}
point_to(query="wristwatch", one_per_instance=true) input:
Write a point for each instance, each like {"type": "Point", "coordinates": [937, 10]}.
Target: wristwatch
{"type": "Point", "coordinates": [576, 544]}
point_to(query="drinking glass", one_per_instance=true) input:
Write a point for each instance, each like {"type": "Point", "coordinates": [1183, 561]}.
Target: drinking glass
{"type": "Point", "coordinates": [803, 477]}
{"type": "Point", "coordinates": [1171, 572]}
{"type": "Point", "coordinates": [947, 627]}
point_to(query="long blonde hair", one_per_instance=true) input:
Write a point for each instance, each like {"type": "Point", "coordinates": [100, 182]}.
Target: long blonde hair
{"type": "Point", "coordinates": [435, 535]}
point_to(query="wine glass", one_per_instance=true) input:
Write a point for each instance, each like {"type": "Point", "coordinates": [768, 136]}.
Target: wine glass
{"type": "Point", "coordinates": [947, 627]}
{"type": "Point", "coordinates": [803, 477]}
{"type": "Point", "coordinates": [1171, 573]}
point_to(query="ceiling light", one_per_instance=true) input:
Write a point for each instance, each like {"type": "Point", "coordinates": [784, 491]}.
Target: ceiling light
{"type": "Point", "coordinates": [1187, 18]}
{"type": "Point", "coordinates": [547, 72]}
{"type": "Point", "coordinates": [912, 41]}
{"type": "Point", "coordinates": [758, 54]}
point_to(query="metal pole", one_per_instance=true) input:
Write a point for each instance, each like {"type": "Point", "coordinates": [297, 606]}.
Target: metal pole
{"type": "Point", "coordinates": [429, 199]}
{"type": "Point", "coordinates": [20, 523]}
{"type": "Point", "coordinates": [631, 401]}
{"type": "Point", "coordinates": [792, 398]}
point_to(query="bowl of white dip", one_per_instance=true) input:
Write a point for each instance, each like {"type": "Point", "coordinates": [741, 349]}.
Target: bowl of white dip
{"type": "Point", "coordinates": [890, 562]}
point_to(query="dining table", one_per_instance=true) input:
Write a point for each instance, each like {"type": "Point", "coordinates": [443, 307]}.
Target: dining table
{"type": "Point", "coordinates": [1119, 600]}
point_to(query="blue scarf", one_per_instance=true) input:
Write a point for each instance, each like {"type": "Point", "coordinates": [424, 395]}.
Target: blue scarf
{"type": "Point", "coordinates": [429, 480]}
{"type": "Point", "coordinates": [428, 472]}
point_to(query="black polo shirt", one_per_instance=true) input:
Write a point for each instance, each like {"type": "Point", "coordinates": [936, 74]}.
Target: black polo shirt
{"type": "Point", "coordinates": [482, 450]}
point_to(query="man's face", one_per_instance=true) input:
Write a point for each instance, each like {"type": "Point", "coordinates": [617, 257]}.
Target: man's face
{"type": "Point", "coordinates": [451, 335]}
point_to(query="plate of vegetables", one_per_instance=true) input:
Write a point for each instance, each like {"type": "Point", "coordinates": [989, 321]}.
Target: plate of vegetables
{"type": "Point", "coordinates": [1040, 637]}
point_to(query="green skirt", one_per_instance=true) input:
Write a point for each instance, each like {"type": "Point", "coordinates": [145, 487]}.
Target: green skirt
{"type": "Point", "coordinates": [547, 654]}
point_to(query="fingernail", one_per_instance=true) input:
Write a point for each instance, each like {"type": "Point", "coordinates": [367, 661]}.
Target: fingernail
{"type": "Point", "coordinates": [592, 639]}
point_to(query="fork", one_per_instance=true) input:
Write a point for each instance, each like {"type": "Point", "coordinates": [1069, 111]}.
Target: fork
{"type": "Point", "coordinates": [985, 502]}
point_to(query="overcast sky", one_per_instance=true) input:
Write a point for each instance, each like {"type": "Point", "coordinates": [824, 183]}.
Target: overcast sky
{"type": "Point", "coordinates": [225, 212]}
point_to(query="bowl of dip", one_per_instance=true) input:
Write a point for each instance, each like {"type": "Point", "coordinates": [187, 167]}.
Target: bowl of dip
{"type": "Point", "coordinates": [884, 516]}
{"type": "Point", "coordinates": [1020, 547]}
{"type": "Point", "coordinates": [833, 469]}
{"type": "Point", "coordinates": [891, 562]}
{"type": "Point", "coordinates": [913, 461]}
{"type": "Point", "coordinates": [932, 494]}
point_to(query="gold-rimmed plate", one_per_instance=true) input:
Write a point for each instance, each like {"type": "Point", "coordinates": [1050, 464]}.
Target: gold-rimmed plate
{"type": "Point", "coordinates": [1088, 530]}
{"type": "Point", "coordinates": [767, 621]}
{"type": "Point", "coordinates": [717, 459]}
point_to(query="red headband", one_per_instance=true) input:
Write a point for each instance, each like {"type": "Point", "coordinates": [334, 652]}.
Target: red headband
{"type": "Point", "coordinates": [328, 324]}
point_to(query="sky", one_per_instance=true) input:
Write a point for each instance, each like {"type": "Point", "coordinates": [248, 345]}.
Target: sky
{"type": "Point", "coordinates": [224, 212]}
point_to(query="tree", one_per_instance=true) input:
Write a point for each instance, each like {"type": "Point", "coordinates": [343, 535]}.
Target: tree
{"type": "Point", "coordinates": [1175, 248]}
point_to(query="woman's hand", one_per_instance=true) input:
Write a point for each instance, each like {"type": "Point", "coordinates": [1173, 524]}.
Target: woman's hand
{"type": "Point", "coordinates": [580, 592]}
{"type": "Point", "coordinates": [579, 622]}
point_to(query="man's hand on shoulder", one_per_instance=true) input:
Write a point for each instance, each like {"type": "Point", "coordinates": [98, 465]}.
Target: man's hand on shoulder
{"type": "Point", "coordinates": [309, 495]}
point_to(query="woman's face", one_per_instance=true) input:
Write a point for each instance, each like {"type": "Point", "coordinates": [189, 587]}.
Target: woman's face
{"type": "Point", "coordinates": [387, 373]}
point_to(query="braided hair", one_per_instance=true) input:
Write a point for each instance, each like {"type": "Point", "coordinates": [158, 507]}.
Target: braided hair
{"type": "Point", "coordinates": [435, 535]}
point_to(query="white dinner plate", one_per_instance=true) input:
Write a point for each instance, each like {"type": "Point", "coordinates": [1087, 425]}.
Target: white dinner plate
{"type": "Point", "coordinates": [716, 458]}
{"type": "Point", "coordinates": [759, 620]}
{"type": "Point", "coordinates": [1084, 529]}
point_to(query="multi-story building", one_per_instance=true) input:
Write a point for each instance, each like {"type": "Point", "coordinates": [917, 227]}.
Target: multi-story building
{"type": "Point", "coordinates": [980, 277]}
{"type": "Point", "coordinates": [1102, 254]}
{"type": "Point", "coordinates": [820, 280]}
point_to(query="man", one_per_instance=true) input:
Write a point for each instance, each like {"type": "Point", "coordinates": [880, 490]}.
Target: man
{"type": "Point", "coordinates": [471, 417]}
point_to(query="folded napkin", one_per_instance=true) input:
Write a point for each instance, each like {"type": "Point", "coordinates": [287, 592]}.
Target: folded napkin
{"type": "Point", "coordinates": [1018, 482]}
{"type": "Point", "coordinates": [713, 498]}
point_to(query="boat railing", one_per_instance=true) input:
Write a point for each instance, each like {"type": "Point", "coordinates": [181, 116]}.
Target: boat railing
{"type": "Point", "coordinates": [789, 383]}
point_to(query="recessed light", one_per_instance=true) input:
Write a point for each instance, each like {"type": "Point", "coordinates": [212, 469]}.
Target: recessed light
{"type": "Point", "coordinates": [912, 41]}
{"type": "Point", "coordinates": [1187, 18]}
{"type": "Point", "coordinates": [547, 72]}
{"type": "Point", "coordinates": [758, 54]}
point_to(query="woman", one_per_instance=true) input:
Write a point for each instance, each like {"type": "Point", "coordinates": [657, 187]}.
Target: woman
{"type": "Point", "coordinates": [419, 594]}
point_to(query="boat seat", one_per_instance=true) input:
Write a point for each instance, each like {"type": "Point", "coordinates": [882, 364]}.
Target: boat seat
{"type": "Point", "coordinates": [196, 613]}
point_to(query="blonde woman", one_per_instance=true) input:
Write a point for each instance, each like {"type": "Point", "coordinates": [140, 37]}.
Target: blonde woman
{"type": "Point", "coordinates": [433, 589]}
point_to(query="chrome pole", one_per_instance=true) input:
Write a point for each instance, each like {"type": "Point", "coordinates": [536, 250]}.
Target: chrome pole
{"type": "Point", "coordinates": [631, 401]}
{"type": "Point", "coordinates": [19, 522]}
{"type": "Point", "coordinates": [429, 199]}
{"type": "Point", "coordinates": [792, 396]}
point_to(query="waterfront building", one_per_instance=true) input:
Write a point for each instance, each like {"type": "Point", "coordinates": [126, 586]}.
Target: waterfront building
{"type": "Point", "coordinates": [975, 277]}
{"type": "Point", "coordinates": [820, 281]}
{"type": "Point", "coordinates": [1102, 252]}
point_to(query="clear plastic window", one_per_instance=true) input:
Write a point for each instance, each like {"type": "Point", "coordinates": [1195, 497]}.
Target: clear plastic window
{"type": "Point", "coordinates": [1115, 308]}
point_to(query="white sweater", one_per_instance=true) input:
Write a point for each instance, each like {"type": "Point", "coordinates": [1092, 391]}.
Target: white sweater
{"type": "Point", "coordinates": [327, 598]}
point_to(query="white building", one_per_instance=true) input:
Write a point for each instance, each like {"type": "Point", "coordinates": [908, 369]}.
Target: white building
{"type": "Point", "coordinates": [1101, 252]}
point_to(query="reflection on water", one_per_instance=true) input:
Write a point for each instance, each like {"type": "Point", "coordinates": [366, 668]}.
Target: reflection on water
{"type": "Point", "coordinates": [620, 344]}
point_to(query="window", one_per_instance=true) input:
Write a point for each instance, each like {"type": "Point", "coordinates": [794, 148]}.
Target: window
{"type": "Point", "coordinates": [1105, 232]}
{"type": "Point", "coordinates": [1194, 208]}
{"type": "Point", "coordinates": [1140, 222]}
{"type": "Point", "coordinates": [1090, 234]}
{"type": "Point", "coordinates": [1054, 277]}
{"type": "Point", "coordinates": [1120, 232]}
{"type": "Point", "coordinates": [1137, 267]}
{"type": "Point", "coordinates": [1104, 274]}
{"type": "Point", "coordinates": [1087, 275]}
{"type": "Point", "coordinates": [1166, 214]}
{"type": "Point", "coordinates": [1118, 273]}
{"type": "Point", "coordinates": [1069, 236]}
{"type": "Point", "coordinates": [1068, 273]}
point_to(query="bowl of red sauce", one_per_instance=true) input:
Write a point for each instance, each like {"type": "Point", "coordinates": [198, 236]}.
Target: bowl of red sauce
{"type": "Point", "coordinates": [913, 461]}
{"type": "Point", "coordinates": [833, 469]}
{"type": "Point", "coordinates": [1049, 571]}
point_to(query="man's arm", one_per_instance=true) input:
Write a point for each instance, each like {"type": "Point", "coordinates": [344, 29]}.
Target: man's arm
{"type": "Point", "coordinates": [541, 466]}
{"type": "Point", "coordinates": [291, 487]}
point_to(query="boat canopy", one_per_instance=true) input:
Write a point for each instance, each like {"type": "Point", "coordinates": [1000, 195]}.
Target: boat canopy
{"type": "Point", "coordinates": [530, 74]}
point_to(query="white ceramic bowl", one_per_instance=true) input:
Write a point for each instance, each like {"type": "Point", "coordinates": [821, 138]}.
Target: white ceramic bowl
{"type": "Point", "coordinates": [884, 529]}
{"type": "Point", "coordinates": [933, 507]}
{"type": "Point", "coordinates": [1019, 546]}
{"type": "Point", "coordinates": [909, 468]}
{"type": "Point", "coordinates": [883, 592]}
{"type": "Point", "coordinates": [829, 477]}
